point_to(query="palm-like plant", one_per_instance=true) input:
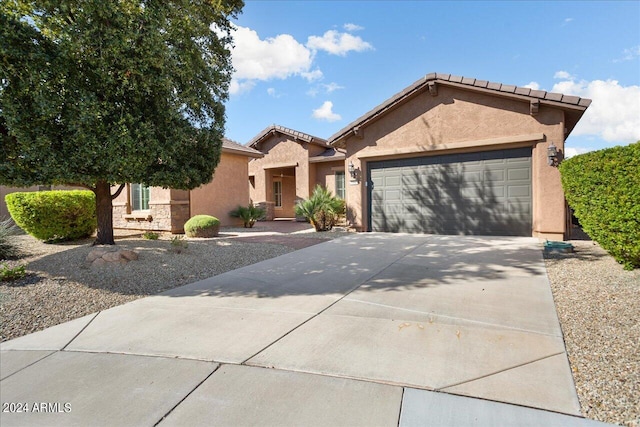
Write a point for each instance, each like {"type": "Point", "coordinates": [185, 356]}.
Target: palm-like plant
{"type": "Point", "coordinates": [248, 214]}
{"type": "Point", "coordinates": [321, 209]}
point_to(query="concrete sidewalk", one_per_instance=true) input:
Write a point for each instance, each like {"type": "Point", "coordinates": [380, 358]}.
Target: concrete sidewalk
{"type": "Point", "coordinates": [369, 329]}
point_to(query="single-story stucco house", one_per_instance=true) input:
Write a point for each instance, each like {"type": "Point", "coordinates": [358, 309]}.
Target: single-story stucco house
{"type": "Point", "coordinates": [165, 209]}
{"type": "Point", "coordinates": [446, 155]}
{"type": "Point", "coordinates": [293, 163]}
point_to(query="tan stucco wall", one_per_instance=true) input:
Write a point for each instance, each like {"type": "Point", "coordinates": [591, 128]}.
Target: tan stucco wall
{"type": "Point", "coordinates": [458, 120]}
{"type": "Point", "coordinates": [281, 153]}
{"type": "Point", "coordinates": [228, 190]}
{"type": "Point", "coordinates": [325, 174]}
{"type": "Point", "coordinates": [169, 209]}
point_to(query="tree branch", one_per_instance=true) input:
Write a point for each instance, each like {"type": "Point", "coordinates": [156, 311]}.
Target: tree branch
{"type": "Point", "coordinates": [77, 184]}
{"type": "Point", "coordinates": [117, 193]}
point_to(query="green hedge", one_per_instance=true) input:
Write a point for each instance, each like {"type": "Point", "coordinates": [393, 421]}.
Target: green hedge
{"type": "Point", "coordinates": [603, 189]}
{"type": "Point", "coordinates": [202, 226]}
{"type": "Point", "coordinates": [54, 215]}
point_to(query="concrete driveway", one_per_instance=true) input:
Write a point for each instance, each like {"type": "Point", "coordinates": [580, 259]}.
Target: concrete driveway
{"type": "Point", "coordinates": [369, 329]}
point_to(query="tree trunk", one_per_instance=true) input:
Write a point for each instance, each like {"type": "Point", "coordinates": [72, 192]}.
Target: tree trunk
{"type": "Point", "coordinates": [104, 212]}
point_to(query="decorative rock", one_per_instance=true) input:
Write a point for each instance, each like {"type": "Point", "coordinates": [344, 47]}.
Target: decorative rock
{"type": "Point", "coordinates": [110, 255]}
{"type": "Point", "coordinates": [129, 255]}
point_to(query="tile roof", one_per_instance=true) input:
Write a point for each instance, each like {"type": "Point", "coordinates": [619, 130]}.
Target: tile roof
{"type": "Point", "coordinates": [557, 99]}
{"type": "Point", "coordinates": [286, 131]}
{"type": "Point", "coordinates": [232, 146]}
{"type": "Point", "coordinates": [328, 155]}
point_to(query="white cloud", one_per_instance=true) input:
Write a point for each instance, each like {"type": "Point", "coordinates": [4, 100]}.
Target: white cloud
{"type": "Point", "coordinates": [337, 43]}
{"type": "Point", "coordinates": [278, 57]}
{"type": "Point", "coordinates": [281, 57]}
{"type": "Point", "coordinates": [325, 88]}
{"type": "Point", "coordinates": [629, 54]}
{"type": "Point", "coordinates": [331, 87]}
{"type": "Point", "coordinates": [352, 27]}
{"type": "Point", "coordinates": [272, 92]}
{"type": "Point", "coordinates": [325, 112]}
{"type": "Point", "coordinates": [236, 88]}
{"type": "Point", "coordinates": [313, 75]}
{"type": "Point", "coordinates": [562, 75]}
{"type": "Point", "coordinates": [567, 20]}
{"type": "Point", "coordinates": [574, 151]}
{"type": "Point", "coordinates": [533, 85]}
{"type": "Point", "coordinates": [614, 114]}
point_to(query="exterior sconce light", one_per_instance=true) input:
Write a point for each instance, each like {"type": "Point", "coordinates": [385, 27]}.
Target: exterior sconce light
{"type": "Point", "coordinates": [552, 154]}
{"type": "Point", "coordinates": [352, 170]}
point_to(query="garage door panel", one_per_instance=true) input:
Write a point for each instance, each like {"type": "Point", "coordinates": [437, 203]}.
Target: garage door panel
{"type": "Point", "coordinates": [523, 174]}
{"type": "Point", "coordinates": [518, 191]}
{"type": "Point", "coordinates": [470, 193]}
{"type": "Point", "coordinates": [392, 195]}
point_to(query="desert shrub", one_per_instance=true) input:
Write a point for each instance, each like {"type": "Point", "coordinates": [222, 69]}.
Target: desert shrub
{"type": "Point", "coordinates": [8, 248]}
{"type": "Point", "coordinates": [178, 244]}
{"type": "Point", "coordinates": [54, 215]}
{"type": "Point", "coordinates": [321, 209]}
{"type": "Point", "coordinates": [603, 189]}
{"type": "Point", "coordinates": [8, 273]}
{"type": "Point", "coordinates": [202, 226]}
{"type": "Point", "coordinates": [248, 214]}
{"type": "Point", "coordinates": [150, 235]}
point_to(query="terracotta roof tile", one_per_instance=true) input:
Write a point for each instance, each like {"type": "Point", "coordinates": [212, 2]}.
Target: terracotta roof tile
{"type": "Point", "coordinates": [286, 131]}
{"type": "Point", "coordinates": [234, 146]}
{"type": "Point", "coordinates": [568, 100]}
{"type": "Point", "coordinates": [553, 96]}
{"type": "Point", "coordinates": [538, 93]}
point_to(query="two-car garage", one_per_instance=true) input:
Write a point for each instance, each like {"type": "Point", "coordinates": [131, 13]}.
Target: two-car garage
{"type": "Point", "coordinates": [485, 193]}
{"type": "Point", "coordinates": [457, 155]}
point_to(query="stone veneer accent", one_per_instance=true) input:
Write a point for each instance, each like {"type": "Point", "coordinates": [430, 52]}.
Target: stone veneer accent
{"type": "Point", "coordinates": [269, 208]}
{"type": "Point", "coordinates": [161, 216]}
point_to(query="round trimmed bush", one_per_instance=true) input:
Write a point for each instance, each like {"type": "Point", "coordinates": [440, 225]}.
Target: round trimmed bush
{"type": "Point", "coordinates": [202, 226]}
{"type": "Point", "coordinates": [54, 215]}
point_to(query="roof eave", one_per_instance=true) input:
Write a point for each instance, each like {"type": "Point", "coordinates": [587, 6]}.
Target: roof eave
{"type": "Point", "coordinates": [241, 152]}
{"type": "Point", "coordinates": [571, 103]}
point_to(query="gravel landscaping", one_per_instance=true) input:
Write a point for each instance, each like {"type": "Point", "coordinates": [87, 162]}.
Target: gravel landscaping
{"type": "Point", "coordinates": [598, 302]}
{"type": "Point", "coordinates": [598, 305]}
{"type": "Point", "coordinates": [61, 286]}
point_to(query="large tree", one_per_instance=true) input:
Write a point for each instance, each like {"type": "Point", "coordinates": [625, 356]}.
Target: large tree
{"type": "Point", "coordinates": [98, 93]}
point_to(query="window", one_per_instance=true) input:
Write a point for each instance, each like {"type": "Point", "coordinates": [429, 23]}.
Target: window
{"type": "Point", "coordinates": [340, 184]}
{"type": "Point", "coordinates": [139, 197]}
{"type": "Point", "coordinates": [277, 193]}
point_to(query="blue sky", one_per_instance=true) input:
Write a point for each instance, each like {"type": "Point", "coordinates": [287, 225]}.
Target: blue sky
{"type": "Point", "coordinates": [315, 66]}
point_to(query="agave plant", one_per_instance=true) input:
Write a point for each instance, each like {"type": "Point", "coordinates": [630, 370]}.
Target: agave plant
{"type": "Point", "coordinates": [248, 214]}
{"type": "Point", "coordinates": [8, 249]}
{"type": "Point", "coordinates": [321, 209]}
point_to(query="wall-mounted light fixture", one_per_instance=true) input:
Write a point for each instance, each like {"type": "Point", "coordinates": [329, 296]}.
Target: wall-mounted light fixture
{"type": "Point", "coordinates": [352, 171]}
{"type": "Point", "coordinates": [552, 154]}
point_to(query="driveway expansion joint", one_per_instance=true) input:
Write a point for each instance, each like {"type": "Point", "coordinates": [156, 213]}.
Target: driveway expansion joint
{"type": "Point", "coordinates": [81, 331]}
{"type": "Point", "coordinates": [444, 316]}
{"type": "Point", "coordinates": [499, 371]}
{"type": "Point", "coordinates": [187, 395]}
{"type": "Point", "coordinates": [30, 364]}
